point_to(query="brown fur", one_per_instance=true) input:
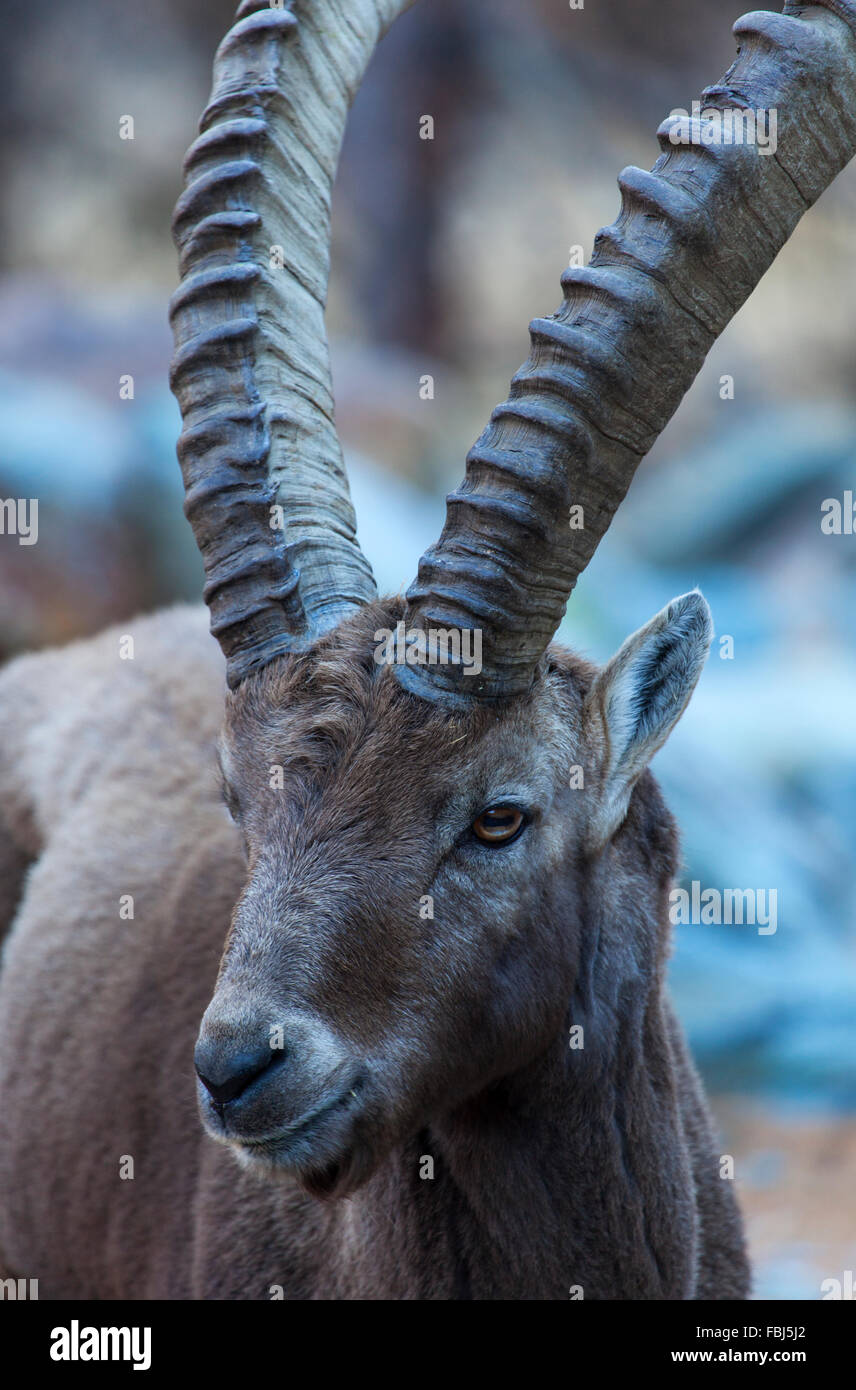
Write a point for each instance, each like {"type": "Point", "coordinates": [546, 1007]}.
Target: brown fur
{"type": "Point", "coordinates": [553, 1167]}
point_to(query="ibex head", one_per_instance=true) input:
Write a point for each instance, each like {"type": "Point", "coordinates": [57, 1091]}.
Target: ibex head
{"type": "Point", "coordinates": [438, 855]}
{"type": "Point", "coordinates": [420, 883]}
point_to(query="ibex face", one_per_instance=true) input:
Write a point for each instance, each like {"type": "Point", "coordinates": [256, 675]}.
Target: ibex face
{"type": "Point", "coordinates": [396, 949]}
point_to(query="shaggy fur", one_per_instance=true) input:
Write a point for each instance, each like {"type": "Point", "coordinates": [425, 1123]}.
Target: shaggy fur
{"type": "Point", "coordinates": [414, 1043]}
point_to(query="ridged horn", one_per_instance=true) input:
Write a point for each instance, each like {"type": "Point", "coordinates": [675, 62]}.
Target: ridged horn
{"type": "Point", "coordinates": [266, 491]}
{"type": "Point", "coordinates": [607, 371]}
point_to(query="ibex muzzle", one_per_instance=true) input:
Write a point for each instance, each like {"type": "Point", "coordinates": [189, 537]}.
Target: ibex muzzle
{"type": "Point", "coordinates": [284, 1093]}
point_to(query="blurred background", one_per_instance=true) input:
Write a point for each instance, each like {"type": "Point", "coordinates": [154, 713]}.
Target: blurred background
{"type": "Point", "coordinates": [443, 250]}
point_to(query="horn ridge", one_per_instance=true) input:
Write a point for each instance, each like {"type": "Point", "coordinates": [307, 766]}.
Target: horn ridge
{"type": "Point", "coordinates": [608, 369]}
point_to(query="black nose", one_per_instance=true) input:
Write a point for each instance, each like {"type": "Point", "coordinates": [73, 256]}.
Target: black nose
{"type": "Point", "coordinates": [226, 1073]}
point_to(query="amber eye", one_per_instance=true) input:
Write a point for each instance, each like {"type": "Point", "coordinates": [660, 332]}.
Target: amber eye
{"type": "Point", "coordinates": [498, 825]}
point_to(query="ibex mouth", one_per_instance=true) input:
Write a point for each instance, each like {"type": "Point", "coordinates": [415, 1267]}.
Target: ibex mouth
{"type": "Point", "coordinates": [316, 1149]}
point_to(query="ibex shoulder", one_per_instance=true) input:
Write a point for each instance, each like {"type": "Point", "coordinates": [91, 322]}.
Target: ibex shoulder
{"type": "Point", "coordinates": [77, 717]}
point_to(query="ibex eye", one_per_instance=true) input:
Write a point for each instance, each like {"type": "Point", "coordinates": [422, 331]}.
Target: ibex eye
{"type": "Point", "coordinates": [498, 825]}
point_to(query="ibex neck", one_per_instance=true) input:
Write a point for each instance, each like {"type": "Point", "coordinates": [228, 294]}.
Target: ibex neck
{"type": "Point", "coordinates": [566, 1180]}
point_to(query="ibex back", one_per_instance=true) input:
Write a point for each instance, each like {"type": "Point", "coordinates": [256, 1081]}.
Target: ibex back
{"type": "Point", "coordinates": [438, 1061]}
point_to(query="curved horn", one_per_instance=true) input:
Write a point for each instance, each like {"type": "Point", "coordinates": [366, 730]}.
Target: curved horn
{"type": "Point", "coordinates": [608, 370]}
{"type": "Point", "coordinates": [267, 494]}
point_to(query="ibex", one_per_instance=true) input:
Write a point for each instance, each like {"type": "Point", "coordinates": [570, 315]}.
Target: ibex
{"type": "Point", "coordinates": [439, 1062]}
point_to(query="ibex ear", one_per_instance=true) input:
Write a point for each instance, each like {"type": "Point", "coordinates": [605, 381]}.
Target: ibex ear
{"type": "Point", "coordinates": [638, 698]}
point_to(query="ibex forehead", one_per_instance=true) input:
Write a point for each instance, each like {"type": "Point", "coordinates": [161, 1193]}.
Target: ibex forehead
{"type": "Point", "coordinates": [325, 713]}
